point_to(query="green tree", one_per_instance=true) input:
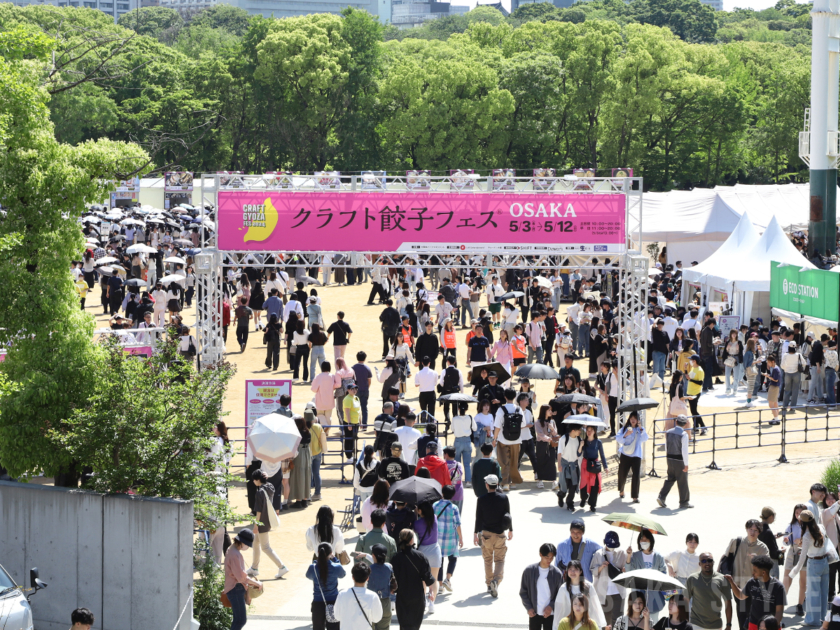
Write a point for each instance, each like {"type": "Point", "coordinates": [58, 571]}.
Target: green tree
{"type": "Point", "coordinates": [44, 186]}
{"type": "Point", "coordinates": [690, 20]}
{"type": "Point", "coordinates": [535, 11]}
{"type": "Point", "coordinates": [224, 16]}
{"type": "Point", "coordinates": [151, 21]}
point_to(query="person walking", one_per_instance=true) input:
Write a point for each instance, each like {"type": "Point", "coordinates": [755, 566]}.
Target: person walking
{"type": "Point", "coordinates": [300, 359]}
{"type": "Point", "coordinates": [507, 437]}
{"type": "Point", "coordinates": [683, 563]}
{"type": "Point", "coordinates": [273, 332]}
{"type": "Point", "coordinates": [265, 513]}
{"type": "Point", "coordinates": [709, 594]}
{"type": "Point", "coordinates": [352, 417]}
{"type": "Point", "coordinates": [635, 618]}
{"type": "Point", "coordinates": [340, 332]}
{"type": "Point", "coordinates": [739, 553]}
{"type": "Point", "coordinates": [363, 378]}
{"type": "Point", "coordinates": [631, 438]}
{"type": "Point", "coordinates": [568, 447]}
{"type": "Point", "coordinates": [237, 580]}
{"type": "Point", "coordinates": [590, 475]}
{"type": "Point", "coordinates": [324, 572]}
{"type": "Point", "coordinates": [733, 362]}
{"type": "Point", "coordinates": [578, 618]}
{"type": "Point", "coordinates": [243, 315]}
{"type": "Point", "coordinates": [768, 517]}
{"type": "Point", "coordinates": [774, 384]}
{"type": "Point", "coordinates": [426, 380]}
{"type": "Point", "coordinates": [357, 608]}
{"type": "Point", "coordinates": [541, 582]}
{"type": "Point", "coordinates": [426, 531]}
{"type": "Point", "coordinates": [762, 595]}
{"type": "Point", "coordinates": [676, 449]}
{"type": "Point", "coordinates": [317, 356]}
{"type": "Point", "coordinates": [492, 520]}
{"type": "Point", "coordinates": [411, 570]}
{"type": "Point", "coordinates": [324, 385]}
{"type": "Point", "coordinates": [450, 539]}
{"type": "Point", "coordinates": [545, 467]}
{"type": "Point", "coordinates": [694, 389]}
{"type": "Point", "coordinates": [819, 551]}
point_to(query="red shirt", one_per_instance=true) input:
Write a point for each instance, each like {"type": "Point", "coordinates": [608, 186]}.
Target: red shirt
{"type": "Point", "coordinates": [437, 469]}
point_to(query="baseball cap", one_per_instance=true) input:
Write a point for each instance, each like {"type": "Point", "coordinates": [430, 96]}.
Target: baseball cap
{"type": "Point", "coordinates": [681, 420]}
{"type": "Point", "coordinates": [432, 447]}
{"type": "Point", "coordinates": [491, 480]}
{"type": "Point", "coordinates": [352, 386]}
{"type": "Point", "coordinates": [611, 540]}
{"type": "Point", "coordinates": [578, 524]}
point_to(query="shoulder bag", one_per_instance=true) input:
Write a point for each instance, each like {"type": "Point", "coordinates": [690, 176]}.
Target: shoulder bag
{"type": "Point", "coordinates": [361, 607]}
{"type": "Point", "coordinates": [330, 608]}
{"type": "Point", "coordinates": [727, 563]}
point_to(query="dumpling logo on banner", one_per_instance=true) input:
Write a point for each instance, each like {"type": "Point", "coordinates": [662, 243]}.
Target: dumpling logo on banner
{"type": "Point", "coordinates": [260, 219]}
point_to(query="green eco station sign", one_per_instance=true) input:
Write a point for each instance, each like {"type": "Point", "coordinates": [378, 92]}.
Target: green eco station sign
{"type": "Point", "coordinates": [812, 293]}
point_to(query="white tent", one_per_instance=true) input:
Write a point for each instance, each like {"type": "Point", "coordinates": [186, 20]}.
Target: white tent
{"type": "Point", "coordinates": [741, 268]}
{"type": "Point", "coordinates": [789, 204]}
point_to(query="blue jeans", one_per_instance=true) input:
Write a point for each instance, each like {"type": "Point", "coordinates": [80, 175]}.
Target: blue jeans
{"type": "Point", "coordinates": [555, 296]}
{"type": "Point", "coordinates": [538, 353]}
{"type": "Point", "coordinates": [466, 307]}
{"type": "Point", "coordinates": [316, 358]}
{"type": "Point", "coordinates": [463, 454]}
{"type": "Point", "coordinates": [792, 382]}
{"type": "Point", "coordinates": [582, 347]}
{"type": "Point", "coordinates": [815, 392]}
{"type": "Point", "coordinates": [574, 329]}
{"type": "Point", "coordinates": [316, 472]}
{"type": "Point", "coordinates": [565, 278]}
{"type": "Point", "coordinates": [830, 380]}
{"type": "Point", "coordinates": [659, 359]}
{"type": "Point", "coordinates": [734, 374]}
{"type": "Point", "coordinates": [236, 595]}
{"type": "Point", "coordinates": [363, 399]}
{"type": "Point", "coordinates": [816, 599]}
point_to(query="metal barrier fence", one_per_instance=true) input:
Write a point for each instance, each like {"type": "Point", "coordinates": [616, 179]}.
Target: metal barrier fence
{"type": "Point", "coordinates": [751, 428]}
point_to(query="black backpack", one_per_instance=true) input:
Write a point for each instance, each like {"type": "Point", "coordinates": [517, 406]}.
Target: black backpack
{"type": "Point", "coordinates": [451, 380]}
{"type": "Point", "coordinates": [512, 424]}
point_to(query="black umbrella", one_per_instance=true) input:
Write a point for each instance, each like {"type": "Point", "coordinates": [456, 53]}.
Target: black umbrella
{"type": "Point", "coordinates": [512, 294]}
{"type": "Point", "coordinates": [136, 282]}
{"type": "Point", "coordinates": [458, 398]}
{"type": "Point", "coordinates": [415, 490]}
{"type": "Point", "coordinates": [638, 404]}
{"type": "Point", "coordinates": [577, 399]}
{"type": "Point", "coordinates": [496, 367]}
{"type": "Point", "coordinates": [537, 371]}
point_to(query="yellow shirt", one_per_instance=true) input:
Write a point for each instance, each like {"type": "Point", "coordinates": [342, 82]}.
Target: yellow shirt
{"type": "Point", "coordinates": [352, 409]}
{"type": "Point", "coordinates": [81, 288]}
{"type": "Point", "coordinates": [315, 445]}
{"type": "Point", "coordinates": [695, 374]}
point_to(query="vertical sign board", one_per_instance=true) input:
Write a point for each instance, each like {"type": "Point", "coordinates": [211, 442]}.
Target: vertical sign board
{"type": "Point", "coordinates": [727, 323]}
{"type": "Point", "coordinates": [811, 293]}
{"type": "Point", "coordinates": [261, 399]}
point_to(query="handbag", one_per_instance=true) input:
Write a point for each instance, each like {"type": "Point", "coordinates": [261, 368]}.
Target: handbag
{"type": "Point", "coordinates": [612, 571]}
{"type": "Point", "coordinates": [344, 557]}
{"type": "Point", "coordinates": [729, 362]}
{"type": "Point", "coordinates": [330, 608]}
{"type": "Point", "coordinates": [593, 466]}
{"type": "Point", "coordinates": [727, 563]}
{"type": "Point", "coordinates": [677, 407]}
{"type": "Point", "coordinates": [225, 600]}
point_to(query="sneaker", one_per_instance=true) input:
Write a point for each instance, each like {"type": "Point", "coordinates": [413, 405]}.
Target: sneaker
{"type": "Point", "coordinates": [799, 611]}
{"type": "Point", "coordinates": [660, 502]}
{"type": "Point", "coordinates": [774, 423]}
{"type": "Point", "coordinates": [350, 460]}
{"type": "Point", "coordinates": [447, 585]}
{"type": "Point", "coordinates": [316, 496]}
{"type": "Point", "coordinates": [540, 485]}
{"type": "Point", "coordinates": [703, 431]}
{"type": "Point", "coordinates": [281, 572]}
{"type": "Point", "coordinates": [468, 484]}
{"type": "Point", "coordinates": [252, 572]}
{"type": "Point", "coordinates": [505, 488]}
{"type": "Point", "coordinates": [685, 506]}
{"type": "Point", "coordinates": [494, 588]}
{"type": "Point", "coordinates": [430, 608]}
{"type": "Point", "coordinates": [571, 508]}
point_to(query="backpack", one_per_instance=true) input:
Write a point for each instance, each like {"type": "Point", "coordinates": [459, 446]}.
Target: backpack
{"type": "Point", "coordinates": [451, 380]}
{"type": "Point", "coordinates": [512, 424]}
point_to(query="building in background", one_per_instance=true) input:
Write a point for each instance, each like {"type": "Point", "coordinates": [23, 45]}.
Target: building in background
{"type": "Point", "coordinates": [495, 5]}
{"type": "Point", "coordinates": [280, 8]}
{"type": "Point", "coordinates": [459, 9]}
{"type": "Point", "coordinates": [114, 8]}
{"type": "Point", "coordinates": [411, 13]}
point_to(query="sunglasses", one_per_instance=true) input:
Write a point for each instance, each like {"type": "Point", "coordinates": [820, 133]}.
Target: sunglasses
{"type": "Point", "coordinates": [706, 561]}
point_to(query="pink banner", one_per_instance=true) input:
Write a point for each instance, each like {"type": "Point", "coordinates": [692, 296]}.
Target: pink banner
{"type": "Point", "coordinates": [389, 221]}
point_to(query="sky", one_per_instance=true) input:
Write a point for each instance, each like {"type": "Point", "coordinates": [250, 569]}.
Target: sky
{"type": "Point", "coordinates": [728, 5]}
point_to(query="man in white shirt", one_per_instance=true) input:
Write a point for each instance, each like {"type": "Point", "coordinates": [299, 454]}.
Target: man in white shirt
{"type": "Point", "coordinates": [573, 319]}
{"type": "Point", "coordinates": [511, 315]}
{"type": "Point", "coordinates": [443, 310]}
{"type": "Point", "coordinates": [426, 380]}
{"type": "Point", "coordinates": [292, 305]}
{"type": "Point", "coordinates": [358, 608]}
{"type": "Point", "coordinates": [407, 436]}
{"type": "Point", "coordinates": [671, 324]}
{"type": "Point", "coordinates": [495, 290]}
{"type": "Point", "coordinates": [691, 321]}
{"type": "Point", "coordinates": [464, 293]}
{"type": "Point", "coordinates": [507, 449]}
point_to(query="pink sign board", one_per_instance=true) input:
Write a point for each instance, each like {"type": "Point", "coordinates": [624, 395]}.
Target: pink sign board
{"type": "Point", "coordinates": [391, 221]}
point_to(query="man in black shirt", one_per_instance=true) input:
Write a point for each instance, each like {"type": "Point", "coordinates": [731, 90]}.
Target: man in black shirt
{"type": "Point", "coordinates": [393, 468]}
{"type": "Point", "coordinates": [341, 331]}
{"type": "Point", "coordinates": [427, 345]}
{"type": "Point", "coordinates": [390, 319]}
{"type": "Point", "coordinates": [479, 347]}
{"type": "Point", "coordinates": [765, 594]}
{"type": "Point", "coordinates": [493, 392]}
{"type": "Point", "coordinates": [492, 519]}
{"type": "Point", "coordinates": [569, 368]}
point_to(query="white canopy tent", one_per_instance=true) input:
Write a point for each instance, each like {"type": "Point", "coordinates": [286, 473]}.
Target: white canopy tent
{"type": "Point", "coordinates": [694, 223]}
{"type": "Point", "coordinates": [741, 268]}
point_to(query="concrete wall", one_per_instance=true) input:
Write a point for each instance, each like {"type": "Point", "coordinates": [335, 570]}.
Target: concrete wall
{"type": "Point", "coordinates": [126, 558]}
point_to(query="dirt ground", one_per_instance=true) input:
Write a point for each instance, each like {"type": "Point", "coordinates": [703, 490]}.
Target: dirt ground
{"type": "Point", "coordinates": [741, 468]}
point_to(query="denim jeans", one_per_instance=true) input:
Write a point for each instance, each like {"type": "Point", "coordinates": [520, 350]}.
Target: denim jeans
{"type": "Point", "coordinates": [236, 595]}
{"type": "Point", "coordinates": [555, 296]}
{"type": "Point", "coordinates": [574, 329]}
{"type": "Point", "coordinates": [815, 391]}
{"type": "Point", "coordinates": [565, 278]}
{"type": "Point", "coordinates": [315, 360]}
{"type": "Point", "coordinates": [830, 380]}
{"type": "Point", "coordinates": [463, 454]}
{"type": "Point", "coordinates": [466, 307]}
{"type": "Point", "coordinates": [659, 360]}
{"type": "Point", "coordinates": [816, 599]}
{"type": "Point", "coordinates": [582, 347]}
{"type": "Point", "coordinates": [363, 399]}
{"type": "Point", "coordinates": [316, 472]}
{"type": "Point", "coordinates": [792, 381]}
{"type": "Point", "coordinates": [731, 372]}
{"type": "Point", "coordinates": [538, 353]}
